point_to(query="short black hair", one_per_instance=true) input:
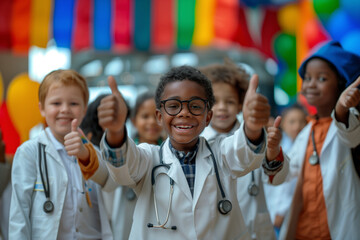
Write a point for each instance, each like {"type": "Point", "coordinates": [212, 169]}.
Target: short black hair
{"type": "Point", "coordinates": [185, 73]}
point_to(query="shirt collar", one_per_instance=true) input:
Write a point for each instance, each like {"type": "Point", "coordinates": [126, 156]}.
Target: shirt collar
{"type": "Point", "coordinates": [185, 158]}
{"type": "Point", "coordinates": [58, 146]}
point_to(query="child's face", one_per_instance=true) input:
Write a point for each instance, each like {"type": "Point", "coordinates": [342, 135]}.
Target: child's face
{"type": "Point", "coordinates": [62, 105]}
{"type": "Point", "coordinates": [184, 128]}
{"type": "Point", "coordinates": [226, 107]}
{"type": "Point", "coordinates": [145, 122]}
{"type": "Point", "coordinates": [320, 86]}
{"type": "Point", "coordinates": [293, 122]}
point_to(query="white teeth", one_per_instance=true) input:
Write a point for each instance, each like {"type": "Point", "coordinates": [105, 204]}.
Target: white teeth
{"type": "Point", "coordinates": [184, 127]}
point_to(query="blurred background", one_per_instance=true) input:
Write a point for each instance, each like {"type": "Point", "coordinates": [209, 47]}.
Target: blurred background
{"type": "Point", "coordinates": [138, 40]}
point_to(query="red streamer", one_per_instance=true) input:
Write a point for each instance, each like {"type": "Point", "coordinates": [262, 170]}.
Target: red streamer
{"type": "Point", "coordinates": [163, 25]}
{"type": "Point", "coordinates": [20, 26]}
{"type": "Point", "coordinates": [83, 25]}
{"type": "Point", "coordinates": [226, 14]}
{"type": "Point", "coordinates": [122, 25]}
{"type": "Point", "coordinates": [243, 36]}
{"type": "Point", "coordinates": [269, 29]}
{"type": "Point", "coordinates": [5, 23]}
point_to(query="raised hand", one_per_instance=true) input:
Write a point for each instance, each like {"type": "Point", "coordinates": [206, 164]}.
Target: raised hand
{"type": "Point", "coordinates": [273, 140]}
{"type": "Point", "coordinates": [73, 143]}
{"type": "Point", "coordinates": [256, 110]}
{"type": "Point", "coordinates": [350, 97]}
{"type": "Point", "coordinates": [112, 114]}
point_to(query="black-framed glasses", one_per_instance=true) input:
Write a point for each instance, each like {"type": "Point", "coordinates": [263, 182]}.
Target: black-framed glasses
{"type": "Point", "coordinates": [173, 107]}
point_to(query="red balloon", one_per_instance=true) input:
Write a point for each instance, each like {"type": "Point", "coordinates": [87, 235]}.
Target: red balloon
{"type": "Point", "coordinates": [314, 33]}
{"type": "Point", "coordinates": [10, 136]}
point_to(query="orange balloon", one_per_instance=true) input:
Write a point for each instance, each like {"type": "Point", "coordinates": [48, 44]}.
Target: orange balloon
{"type": "Point", "coordinates": [23, 104]}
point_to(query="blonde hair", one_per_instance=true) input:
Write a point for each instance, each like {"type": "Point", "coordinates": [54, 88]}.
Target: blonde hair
{"type": "Point", "coordinates": [60, 78]}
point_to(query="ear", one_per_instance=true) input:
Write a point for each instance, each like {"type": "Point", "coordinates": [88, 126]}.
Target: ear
{"type": "Point", "coordinates": [208, 117]}
{"type": "Point", "coordinates": [158, 117]}
{"type": "Point", "coordinates": [42, 112]}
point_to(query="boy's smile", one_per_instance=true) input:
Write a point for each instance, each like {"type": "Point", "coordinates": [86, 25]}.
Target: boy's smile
{"type": "Point", "coordinates": [62, 105]}
{"type": "Point", "coordinates": [184, 128]}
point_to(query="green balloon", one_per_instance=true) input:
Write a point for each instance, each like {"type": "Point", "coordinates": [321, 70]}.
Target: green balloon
{"type": "Point", "coordinates": [285, 49]}
{"type": "Point", "coordinates": [325, 7]}
{"type": "Point", "coordinates": [288, 82]}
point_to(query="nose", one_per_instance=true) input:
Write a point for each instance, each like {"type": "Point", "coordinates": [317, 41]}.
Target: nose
{"type": "Point", "coordinates": [64, 107]}
{"type": "Point", "coordinates": [184, 110]}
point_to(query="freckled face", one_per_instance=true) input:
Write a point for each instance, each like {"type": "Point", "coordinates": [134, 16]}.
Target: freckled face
{"type": "Point", "coordinates": [62, 105]}
{"type": "Point", "coordinates": [184, 128]}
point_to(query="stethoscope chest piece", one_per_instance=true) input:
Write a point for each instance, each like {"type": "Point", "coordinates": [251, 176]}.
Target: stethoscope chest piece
{"type": "Point", "coordinates": [253, 189]}
{"type": "Point", "coordinates": [314, 159]}
{"type": "Point", "coordinates": [224, 206]}
{"type": "Point", "coordinates": [48, 206]}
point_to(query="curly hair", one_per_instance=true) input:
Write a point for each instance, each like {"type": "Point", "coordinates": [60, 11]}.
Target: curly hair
{"type": "Point", "coordinates": [229, 73]}
{"type": "Point", "coordinates": [185, 73]}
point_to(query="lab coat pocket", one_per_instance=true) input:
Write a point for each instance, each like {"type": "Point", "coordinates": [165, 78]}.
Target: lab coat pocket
{"type": "Point", "coordinates": [39, 198]}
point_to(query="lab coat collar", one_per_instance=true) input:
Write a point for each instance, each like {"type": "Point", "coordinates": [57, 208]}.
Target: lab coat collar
{"type": "Point", "coordinates": [50, 149]}
{"type": "Point", "coordinates": [203, 168]}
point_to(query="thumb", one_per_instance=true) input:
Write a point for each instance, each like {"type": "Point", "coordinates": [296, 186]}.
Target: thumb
{"type": "Point", "coordinates": [74, 125]}
{"type": "Point", "coordinates": [253, 84]}
{"type": "Point", "coordinates": [356, 83]}
{"type": "Point", "coordinates": [277, 122]}
{"type": "Point", "coordinates": [113, 86]}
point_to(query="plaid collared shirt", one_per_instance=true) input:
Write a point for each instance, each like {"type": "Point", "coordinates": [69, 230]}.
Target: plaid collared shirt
{"type": "Point", "coordinates": [188, 165]}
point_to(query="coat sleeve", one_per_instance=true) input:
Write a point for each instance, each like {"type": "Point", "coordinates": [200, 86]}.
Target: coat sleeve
{"type": "Point", "coordinates": [24, 174]}
{"type": "Point", "coordinates": [349, 135]}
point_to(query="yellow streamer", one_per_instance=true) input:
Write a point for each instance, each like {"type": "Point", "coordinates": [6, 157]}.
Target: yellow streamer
{"type": "Point", "coordinates": [204, 25]}
{"type": "Point", "coordinates": [40, 22]}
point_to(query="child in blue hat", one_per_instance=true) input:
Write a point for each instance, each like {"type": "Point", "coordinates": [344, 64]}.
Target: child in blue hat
{"type": "Point", "coordinates": [327, 195]}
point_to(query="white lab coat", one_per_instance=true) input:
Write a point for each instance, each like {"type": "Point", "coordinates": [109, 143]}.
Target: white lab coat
{"type": "Point", "coordinates": [197, 216]}
{"type": "Point", "coordinates": [341, 184]}
{"type": "Point", "coordinates": [254, 208]}
{"type": "Point", "coordinates": [27, 218]}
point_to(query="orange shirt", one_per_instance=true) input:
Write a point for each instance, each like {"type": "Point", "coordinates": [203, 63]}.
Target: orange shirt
{"type": "Point", "coordinates": [312, 222]}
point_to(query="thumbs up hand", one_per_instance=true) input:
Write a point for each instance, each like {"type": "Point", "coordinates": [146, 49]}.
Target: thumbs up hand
{"type": "Point", "coordinates": [350, 97]}
{"type": "Point", "coordinates": [273, 140]}
{"type": "Point", "coordinates": [112, 114]}
{"type": "Point", "coordinates": [73, 143]}
{"type": "Point", "coordinates": [256, 110]}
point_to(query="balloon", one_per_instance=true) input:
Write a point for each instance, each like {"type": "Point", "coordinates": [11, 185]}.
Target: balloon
{"type": "Point", "coordinates": [288, 18]}
{"type": "Point", "coordinates": [340, 23]}
{"type": "Point", "coordinates": [351, 42]}
{"type": "Point", "coordinates": [314, 34]}
{"type": "Point", "coordinates": [1, 89]}
{"type": "Point", "coordinates": [351, 7]}
{"type": "Point", "coordinates": [288, 82]}
{"type": "Point", "coordinates": [285, 48]}
{"type": "Point", "coordinates": [324, 8]}
{"type": "Point", "coordinates": [10, 135]}
{"type": "Point", "coordinates": [23, 104]}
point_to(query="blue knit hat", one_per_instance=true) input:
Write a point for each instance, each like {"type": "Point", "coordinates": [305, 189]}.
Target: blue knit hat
{"type": "Point", "coordinates": [346, 63]}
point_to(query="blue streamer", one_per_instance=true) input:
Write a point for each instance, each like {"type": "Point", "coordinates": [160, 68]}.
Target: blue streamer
{"type": "Point", "coordinates": [102, 24]}
{"type": "Point", "coordinates": [63, 22]}
{"type": "Point", "coordinates": [142, 23]}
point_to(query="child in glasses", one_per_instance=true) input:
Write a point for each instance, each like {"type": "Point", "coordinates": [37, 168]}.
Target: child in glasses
{"type": "Point", "coordinates": [230, 83]}
{"type": "Point", "coordinates": [327, 195]}
{"type": "Point", "coordinates": [186, 188]}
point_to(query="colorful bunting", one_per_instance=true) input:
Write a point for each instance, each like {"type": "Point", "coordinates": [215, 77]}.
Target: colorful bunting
{"type": "Point", "coordinates": [82, 25]}
{"type": "Point", "coordinates": [142, 24]}
{"type": "Point", "coordinates": [204, 29]}
{"type": "Point", "coordinates": [5, 24]}
{"type": "Point", "coordinates": [63, 22]}
{"type": "Point", "coordinates": [40, 18]}
{"type": "Point", "coordinates": [122, 25]}
{"type": "Point", "coordinates": [102, 24]}
{"type": "Point", "coordinates": [186, 22]}
{"type": "Point", "coordinates": [162, 25]}
{"type": "Point", "coordinates": [20, 26]}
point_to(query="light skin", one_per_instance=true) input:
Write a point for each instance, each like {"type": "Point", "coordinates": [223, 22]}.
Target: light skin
{"type": "Point", "coordinates": [112, 115]}
{"type": "Point", "coordinates": [350, 97]}
{"type": "Point", "coordinates": [226, 107]}
{"type": "Point", "coordinates": [145, 122]}
{"type": "Point", "coordinates": [293, 122]}
{"type": "Point", "coordinates": [320, 87]}
{"type": "Point", "coordinates": [64, 109]}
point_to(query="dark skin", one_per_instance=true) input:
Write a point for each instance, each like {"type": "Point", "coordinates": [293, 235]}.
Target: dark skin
{"type": "Point", "coordinates": [112, 116]}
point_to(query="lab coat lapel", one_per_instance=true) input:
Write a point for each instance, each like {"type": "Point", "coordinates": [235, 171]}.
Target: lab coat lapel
{"type": "Point", "coordinates": [203, 169]}
{"type": "Point", "coordinates": [50, 149]}
{"type": "Point", "coordinates": [176, 172]}
{"type": "Point", "coordinates": [329, 136]}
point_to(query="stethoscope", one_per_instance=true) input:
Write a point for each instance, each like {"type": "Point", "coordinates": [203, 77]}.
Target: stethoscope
{"type": "Point", "coordinates": [48, 204]}
{"type": "Point", "coordinates": [253, 188]}
{"type": "Point", "coordinates": [314, 158]}
{"type": "Point", "coordinates": [224, 205]}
